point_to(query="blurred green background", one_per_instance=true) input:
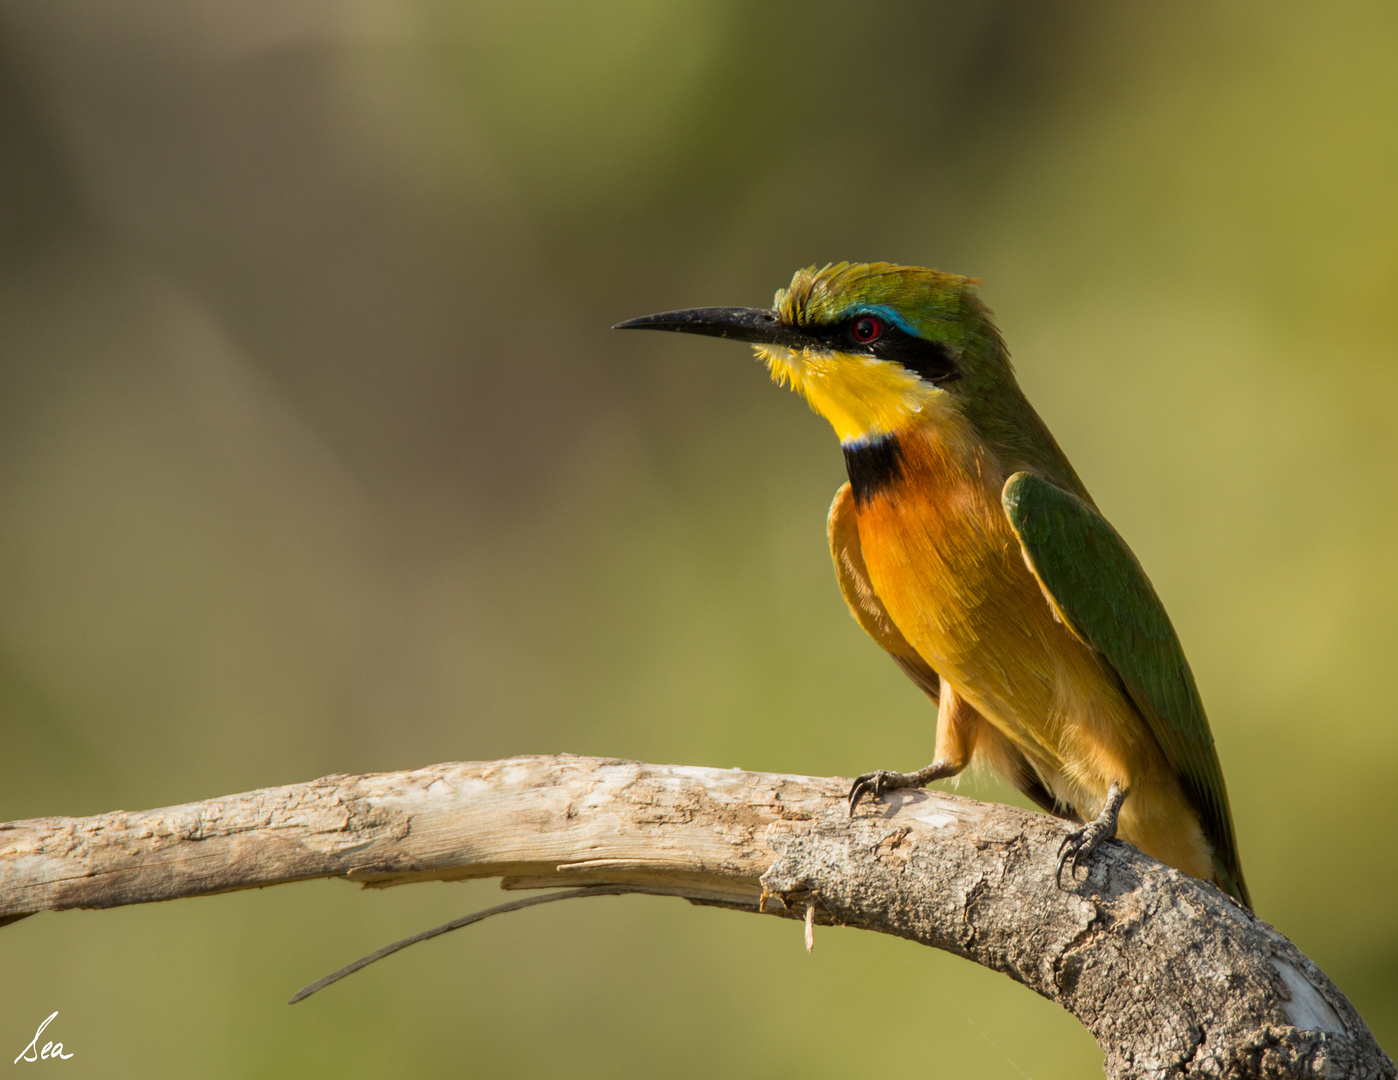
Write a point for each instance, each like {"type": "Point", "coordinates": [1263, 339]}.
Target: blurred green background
{"type": "Point", "coordinates": [317, 455]}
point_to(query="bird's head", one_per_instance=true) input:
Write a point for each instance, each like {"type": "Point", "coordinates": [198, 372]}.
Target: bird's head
{"type": "Point", "coordinates": [873, 347]}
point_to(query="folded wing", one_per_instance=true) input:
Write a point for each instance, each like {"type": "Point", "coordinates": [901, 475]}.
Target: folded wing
{"type": "Point", "coordinates": [1095, 585]}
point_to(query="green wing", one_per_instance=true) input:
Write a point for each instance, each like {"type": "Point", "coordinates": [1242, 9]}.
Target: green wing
{"type": "Point", "coordinates": [1099, 590]}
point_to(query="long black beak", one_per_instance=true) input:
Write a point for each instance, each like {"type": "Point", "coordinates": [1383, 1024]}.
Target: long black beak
{"type": "Point", "coordinates": [758, 325]}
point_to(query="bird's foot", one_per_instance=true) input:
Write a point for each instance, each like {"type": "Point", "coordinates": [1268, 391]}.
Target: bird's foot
{"type": "Point", "coordinates": [1078, 845]}
{"type": "Point", "coordinates": [881, 780]}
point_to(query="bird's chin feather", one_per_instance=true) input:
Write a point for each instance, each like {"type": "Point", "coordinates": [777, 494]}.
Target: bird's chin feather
{"type": "Point", "coordinates": [783, 364]}
{"type": "Point", "coordinates": [862, 396]}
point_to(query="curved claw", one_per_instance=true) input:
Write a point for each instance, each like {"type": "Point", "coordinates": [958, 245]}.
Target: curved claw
{"type": "Point", "coordinates": [1077, 847]}
{"type": "Point", "coordinates": [879, 781]}
{"type": "Point", "coordinates": [870, 783]}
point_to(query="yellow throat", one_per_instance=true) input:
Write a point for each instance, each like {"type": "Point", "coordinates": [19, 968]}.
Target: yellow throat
{"type": "Point", "coordinates": [862, 397]}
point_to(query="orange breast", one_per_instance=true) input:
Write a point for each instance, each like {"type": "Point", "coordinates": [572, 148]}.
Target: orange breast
{"type": "Point", "coordinates": [941, 556]}
{"type": "Point", "coordinates": [943, 560]}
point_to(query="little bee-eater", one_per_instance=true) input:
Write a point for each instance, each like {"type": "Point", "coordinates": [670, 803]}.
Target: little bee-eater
{"type": "Point", "coordinates": [967, 547]}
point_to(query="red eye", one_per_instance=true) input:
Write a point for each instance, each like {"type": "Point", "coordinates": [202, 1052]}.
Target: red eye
{"type": "Point", "coordinates": [866, 328]}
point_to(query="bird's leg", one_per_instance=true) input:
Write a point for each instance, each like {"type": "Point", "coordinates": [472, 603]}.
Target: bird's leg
{"type": "Point", "coordinates": [1078, 845]}
{"type": "Point", "coordinates": [880, 780]}
{"type": "Point", "coordinates": [957, 726]}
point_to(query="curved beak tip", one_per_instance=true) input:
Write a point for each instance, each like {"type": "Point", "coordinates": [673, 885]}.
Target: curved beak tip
{"type": "Point", "coordinates": [760, 326]}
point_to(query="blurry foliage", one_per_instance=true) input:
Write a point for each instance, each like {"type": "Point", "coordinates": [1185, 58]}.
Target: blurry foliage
{"type": "Point", "coordinates": [316, 455]}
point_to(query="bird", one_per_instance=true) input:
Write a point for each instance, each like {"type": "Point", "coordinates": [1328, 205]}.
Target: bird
{"type": "Point", "coordinates": [966, 546]}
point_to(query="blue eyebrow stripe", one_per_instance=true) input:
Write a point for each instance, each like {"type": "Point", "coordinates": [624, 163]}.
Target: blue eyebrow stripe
{"type": "Point", "coordinates": [886, 313]}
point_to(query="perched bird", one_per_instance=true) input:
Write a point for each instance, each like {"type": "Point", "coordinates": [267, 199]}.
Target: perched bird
{"type": "Point", "coordinates": [966, 546]}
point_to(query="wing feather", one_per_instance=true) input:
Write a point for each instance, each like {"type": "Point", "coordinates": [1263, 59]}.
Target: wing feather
{"type": "Point", "coordinates": [1096, 586]}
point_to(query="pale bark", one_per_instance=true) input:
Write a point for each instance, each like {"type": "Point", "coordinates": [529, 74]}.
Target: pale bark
{"type": "Point", "coordinates": [1170, 976]}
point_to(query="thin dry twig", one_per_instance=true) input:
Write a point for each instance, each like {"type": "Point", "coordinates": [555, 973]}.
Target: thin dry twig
{"type": "Point", "coordinates": [456, 924]}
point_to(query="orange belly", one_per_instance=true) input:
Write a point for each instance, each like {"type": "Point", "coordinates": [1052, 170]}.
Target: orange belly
{"type": "Point", "coordinates": [941, 556]}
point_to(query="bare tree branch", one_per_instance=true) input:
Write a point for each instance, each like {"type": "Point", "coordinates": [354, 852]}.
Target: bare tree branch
{"type": "Point", "coordinates": [1170, 976]}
